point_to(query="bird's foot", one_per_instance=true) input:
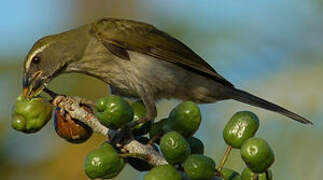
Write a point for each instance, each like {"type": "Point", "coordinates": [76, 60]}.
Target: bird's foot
{"type": "Point", "coordinates": [142, 120]}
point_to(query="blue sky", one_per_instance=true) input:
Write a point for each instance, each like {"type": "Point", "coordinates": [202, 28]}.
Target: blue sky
{"type": "Point", "coordinates": [24, 21]}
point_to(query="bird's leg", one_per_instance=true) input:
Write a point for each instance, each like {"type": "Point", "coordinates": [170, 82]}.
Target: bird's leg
{"type": "Point", "coordinates": [151, 111]}
{"type": "Point", "coordinates": [124, 133]}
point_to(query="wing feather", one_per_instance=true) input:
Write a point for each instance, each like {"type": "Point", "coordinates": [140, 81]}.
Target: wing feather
{"type": "Point", "coordinates": [122, 35]}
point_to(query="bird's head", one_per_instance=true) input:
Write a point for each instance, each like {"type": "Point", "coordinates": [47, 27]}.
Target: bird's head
{"type": "Point", "coordinates": [45, 59]}
{"type": "Point", "coordinates": [51, 56]}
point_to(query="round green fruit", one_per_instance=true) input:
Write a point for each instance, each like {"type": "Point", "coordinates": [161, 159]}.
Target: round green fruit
{"type": "Point", "coordinates": [199, 167]}
{"type": "Point", "coordinates": [102, 162]}
{"type": "Point", "coordinates": [114, 112]}
{"type": "Point", "coordinates": [139, 112]}
{"type": "Point", "coordinates": [30, 116]}
{"type": "Point", "coordinates": [185, 118]}
{"type": "Point", "coordinates": [163, 172]}
{"type": "Point", "coordinates": [174, 147]}
{"type": "Point", "coordinates": [247, 174]}
{"type": "Point", "coordinates": [116, 173]}
{"type": "Point", "coordinates": [18, 123]}
{"type": "Point", "coordinates": [197, 146]}
{"type": "Point", "coordinates": [229, 174]}
{"type": "Point", "coordinates": [242, 126]}
{"type": "Point", "coordinates": [257, 154]}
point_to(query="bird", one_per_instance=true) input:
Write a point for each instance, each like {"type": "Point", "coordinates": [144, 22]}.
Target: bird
{"type": "Point", "coordinates": [136, 60]}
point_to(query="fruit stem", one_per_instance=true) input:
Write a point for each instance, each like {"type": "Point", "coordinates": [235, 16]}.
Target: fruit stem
{"type": "Point", "coordinates": [225, 157]}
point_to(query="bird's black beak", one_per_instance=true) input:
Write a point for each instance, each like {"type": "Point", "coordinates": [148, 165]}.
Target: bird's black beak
{"type": "Point", "coordinates": [32, 84]}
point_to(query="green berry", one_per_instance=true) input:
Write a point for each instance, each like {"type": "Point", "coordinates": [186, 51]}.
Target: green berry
{"type": "Point", "coordinates": [101, 104]}
{"type": "Point", "coordinates": [247, 174]}
{"type": "Point", "coordinates": [18, 122]}
{"type": "Point", "coordinates": [185, 118]}
{"type": "Point", "coordinates": [114, 112]}
{"type": "Point", "coordinates": [102, 162]}
{"type": "Point", "coordinates": [116, 173]}
{"type": "Point", "coordinates": [199, 167]}
{"type": "Point", "coordinates": [174, 147]}
{"type": "Point", "coordinates": [139, 112]}
{"type": "Point", "coordinates": [106, 145]}
{"type": "Point", "coordinates": [30, 116]}
{"type": "Point", "coordinates": [197, 146]}
{"type": "Point", "coordinates": [257, 154]}
{"type": "Point", "coordinates": [242, 126]}
{"type": "Point", "coordinates": [229, 174]}
{"type": "Point", "coordinates": [163, 172]}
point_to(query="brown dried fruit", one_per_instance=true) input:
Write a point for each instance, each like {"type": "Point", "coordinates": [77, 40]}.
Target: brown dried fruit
{"type": "Point", "coordinates": [72, 130]}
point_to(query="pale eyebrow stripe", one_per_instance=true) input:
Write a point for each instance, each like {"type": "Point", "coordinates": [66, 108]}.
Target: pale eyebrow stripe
{"type": "Point", "coordinates": [28, 62]}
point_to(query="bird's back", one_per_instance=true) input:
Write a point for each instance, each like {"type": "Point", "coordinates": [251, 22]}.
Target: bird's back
{"type": "Point", "coordinates": [120, 35]}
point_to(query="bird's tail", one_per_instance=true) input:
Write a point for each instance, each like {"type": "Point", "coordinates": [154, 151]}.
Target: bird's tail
{"type": "Point", "coordinates": [250, 99]}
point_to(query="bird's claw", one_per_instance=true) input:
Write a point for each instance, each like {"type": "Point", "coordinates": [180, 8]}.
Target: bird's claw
{"type": "Point", "coordinates": [142, 120]}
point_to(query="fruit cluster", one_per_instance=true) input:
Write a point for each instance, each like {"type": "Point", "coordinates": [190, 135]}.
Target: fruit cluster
{"type": "Point", "coordinates": [172, 137]}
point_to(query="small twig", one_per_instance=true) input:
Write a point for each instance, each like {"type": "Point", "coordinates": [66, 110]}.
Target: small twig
{"type": "Point", "coordinates": [86, 101]}
{"type": "Point", "coordinates": [134, 155]}
{"type": "Point", "coordinates": [153, 157]}
{"type": "Point", "coordinates": [225, 157]}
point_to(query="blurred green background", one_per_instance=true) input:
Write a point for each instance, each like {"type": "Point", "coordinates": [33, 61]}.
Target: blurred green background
{"type": "Point", "coordinates": [273, 49]}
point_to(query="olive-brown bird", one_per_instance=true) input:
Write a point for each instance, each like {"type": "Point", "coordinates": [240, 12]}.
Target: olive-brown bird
{"type": "Point", "coordinates": [136, 60]}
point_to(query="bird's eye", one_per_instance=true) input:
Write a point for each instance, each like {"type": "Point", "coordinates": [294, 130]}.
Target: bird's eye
{"type": "Point", "coordinates": [36, 59]}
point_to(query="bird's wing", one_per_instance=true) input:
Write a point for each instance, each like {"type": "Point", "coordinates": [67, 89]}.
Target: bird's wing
{"type": "Point", "coordinates": [118, 36]}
